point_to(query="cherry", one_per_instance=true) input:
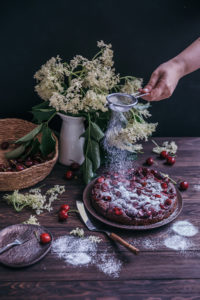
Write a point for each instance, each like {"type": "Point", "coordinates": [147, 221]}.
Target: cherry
{"type": "Point", "coordinates": [45, 238]}
{"type": "Point", "coordinates": [164, 154]}
{"type": "Point", "coordinates": [150, 161]}
{"type": "Point", "coordinates": [184, 185]}
{"type": "Point", "coordinates": [144, 183]}
{"type": "Point", "coordinates": [107, 198]}
{"type": "Point", "coordinates": [75, 166]}
{"type": "Point", "coordinates": [171, 160]}
{"type": "Point", "coordinates": [118, 211]}
{"type": "Point", "coordinates": [2, 167]}
{"type": "Point", "coordinates": [100, 179]}
{"type": "Point", "coordinates": [162, 206]}
{"type": "Point", "coordinates": [69, 175]}
{"type": "Point", "coordinates": [9, 169]}
{"type": "Point", "coordinates": [118, 194]}
{"type": "Point", "coordinates": [20, 167]}
{"type": "Point", "coordinates": [28, 163]}
{"type": "Point", "coordinates": [104, 187]}
{"type": "Point", "coordinates": [65, 207]}
{"type": "Point", "coordinates": [63, 215]}
{"type": "Point", "coordinates": [168, 201]}
{"type": "Point", "coordinates": [157, 196]}
{"type": "Point", "coordinates": [164, 185]}
{"type": "Point", "coordinates": [4, 145]}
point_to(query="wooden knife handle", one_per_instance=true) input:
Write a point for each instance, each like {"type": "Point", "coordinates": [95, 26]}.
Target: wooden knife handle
{"type": "Point", "coordinates": [118, 239]}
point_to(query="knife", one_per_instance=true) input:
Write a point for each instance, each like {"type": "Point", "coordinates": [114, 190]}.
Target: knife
{"type": "Point", "coordinates": [91, 226]}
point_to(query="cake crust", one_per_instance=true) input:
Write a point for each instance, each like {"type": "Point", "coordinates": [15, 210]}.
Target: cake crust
{"type": "Point", "coordinates": [138, 196]}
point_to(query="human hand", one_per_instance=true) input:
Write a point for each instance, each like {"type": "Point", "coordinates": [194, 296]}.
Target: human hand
{"type": "Point", "coordinates": [163, 81]}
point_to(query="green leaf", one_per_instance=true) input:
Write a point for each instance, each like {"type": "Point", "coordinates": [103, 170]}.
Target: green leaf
{"type": "Point", "coordinates": [48, 142]}
{"type": "Point", "coordinates": [94, 154]}
{"type": "Point", "coordinates": [96, 132]}
{"type": "Point", "coordinates": [34, 148]}
{"type": "Point", "coordinates": [30, 135]}
{"type": "Point", "coordinates": [87, 170]}
{"type": "Point", "coordinates": [44, 104]}
{"type": "Point", "coordinates": [84, 134]}
{"type": "Point", "coordinates": [43, 114]}
{"type": "Point", "coordinates": [16, 152]}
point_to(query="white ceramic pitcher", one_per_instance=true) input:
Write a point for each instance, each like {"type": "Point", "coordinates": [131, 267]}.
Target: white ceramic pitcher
{"type": "Point", "coordinates": [71, 145]}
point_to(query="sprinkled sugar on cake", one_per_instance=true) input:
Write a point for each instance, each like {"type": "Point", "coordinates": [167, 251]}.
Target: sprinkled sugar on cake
{"type": "Point", "coordinates": [136, 196]}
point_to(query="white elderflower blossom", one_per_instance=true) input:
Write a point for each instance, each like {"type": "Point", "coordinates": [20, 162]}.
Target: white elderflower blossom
{"type": "Point", "coordinates": [126, 138]}
{"type": "Point", "coordinates": [94, 101]}
{"type": "Point", "coordinates": [132, 86]}
{"type": "Point", "coordinates": [78, 232]}
{"type": "Point", "coordinates": [32, 220]}
{"type": "Point", "coordinates": [34, 199]}
{"type": "Point", "coordinates": [170, 147]}
{"type": "Point", "coordinates": [50, 78]}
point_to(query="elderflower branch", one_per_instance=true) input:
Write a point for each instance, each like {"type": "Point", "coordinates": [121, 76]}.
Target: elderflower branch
{"type": "Point", "coordinates": [167, 176]}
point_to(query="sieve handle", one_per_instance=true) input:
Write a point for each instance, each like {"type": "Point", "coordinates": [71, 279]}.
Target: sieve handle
{"type": "Point", "coordinates": [138, 95]}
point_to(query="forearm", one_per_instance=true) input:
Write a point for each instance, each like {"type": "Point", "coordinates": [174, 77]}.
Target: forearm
{"type": "Point", "coordinates": [189, 59]}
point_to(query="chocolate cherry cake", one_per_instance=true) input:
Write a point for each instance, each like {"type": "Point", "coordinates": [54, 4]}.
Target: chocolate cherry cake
{"type": "Point", "coordinates": [138, 196]}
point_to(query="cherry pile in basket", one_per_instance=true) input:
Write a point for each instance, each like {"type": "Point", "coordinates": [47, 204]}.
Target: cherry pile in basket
{"type": "Point", "coordinates": [21, 163]}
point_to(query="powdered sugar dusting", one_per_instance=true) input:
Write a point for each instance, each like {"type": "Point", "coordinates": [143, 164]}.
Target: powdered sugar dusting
{"type": "Point", "coordinates": [109, 265]}
{"type": "Point", "coordinates": [184, 228]}
{"type": "Point", "coordinates": [82, 252]}
{"type": "Point", "coordinates": [197, 187]}
{"type": "Point", "coordinates": [177, 242]}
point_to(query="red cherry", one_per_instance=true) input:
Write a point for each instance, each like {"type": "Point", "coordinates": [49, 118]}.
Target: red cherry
{"type": "Point", "coordinates": [171, 160]}
{"type": "Point", "coordinates": [2, 167]}
{"type": "Point", "coordinates": [162, 206]}
{"type": "Point", "coordinates": [107, 198]}
{"type": "Point", "coordinates": [184, 185]}
{"type": "Point", "coordinates": [69, 175]}
{"type": "Point", "coordinates": [28, 163]}
{"type": "Point", "coordinates": [164, 185]}
{"type": "Point", "coordinates": [164, 154]}
{"type": "Point", "coordinates": [149, 161]}
{"type": "Point", "coordinates": [118, 211]}
{"type": "Point", "coordinates": [65, 207]}
{"type": "Point", "coordinates": [63, 215]}
{"type": "Point", "coordinates": [118, 194]}
{"type": "Point", "coordinates": [100, 179]}
{"type": "Point", "coordinates": [157, 196]}
{"type": "Point", "coordinates": [45, 238]}
{"type": "Point", "coordinates": [104, 187]}
{"type": "Point", "coordinates": [20, 167]}
{"type": "Point", "coordinates": [4, 145]}
{"type": "Point", "coordinates": [75, 166]}
{"type": "Point", "coordinates": [168, 201]}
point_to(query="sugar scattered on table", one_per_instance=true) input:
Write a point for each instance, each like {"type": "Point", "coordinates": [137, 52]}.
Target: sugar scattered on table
{"type": "Point", "coordinates": [177, 242]}
{"type": "Point", "coordinates": [80, 252]}
{"type": "Point", "coordinates": [196, 187]}
{"type": "Point", "coordinates": [184, 228]}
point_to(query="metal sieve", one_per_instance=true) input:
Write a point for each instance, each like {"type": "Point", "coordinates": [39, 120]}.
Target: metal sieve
{"type": "Point", "coordinates": [122, 102]}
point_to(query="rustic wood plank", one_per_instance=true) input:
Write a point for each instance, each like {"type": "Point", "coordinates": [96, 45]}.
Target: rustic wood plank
{"type": "Point", "coordinates": [159, 289]}
{"type": "Point", "coordinates": [147, 265]}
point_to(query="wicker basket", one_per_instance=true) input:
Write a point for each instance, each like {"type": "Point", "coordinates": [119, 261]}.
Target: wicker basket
{"type": "Point", "coordinates": [13, 129]}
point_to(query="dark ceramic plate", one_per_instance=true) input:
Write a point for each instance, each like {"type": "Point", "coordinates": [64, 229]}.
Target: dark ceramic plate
{"type": "Point", "coordinates": [92, 211]}
{"type": "Point", "coordinates": [26, 254]}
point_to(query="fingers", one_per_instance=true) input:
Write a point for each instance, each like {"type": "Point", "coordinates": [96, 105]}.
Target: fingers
{"type": "Point", "coordinates": [150, 86]}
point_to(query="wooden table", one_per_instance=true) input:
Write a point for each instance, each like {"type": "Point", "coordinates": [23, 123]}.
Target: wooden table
{"type": "Point", "coordinates": [161, 273]}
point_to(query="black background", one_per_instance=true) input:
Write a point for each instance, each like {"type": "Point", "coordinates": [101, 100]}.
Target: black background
{"type": "Point", "coordinates": [143, 33]}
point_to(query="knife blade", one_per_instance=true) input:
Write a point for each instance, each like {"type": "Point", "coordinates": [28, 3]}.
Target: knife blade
{"type": "Point", "coordinates": [91, 226]}
{"type": "Point", "coordinates": [84, 216]}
